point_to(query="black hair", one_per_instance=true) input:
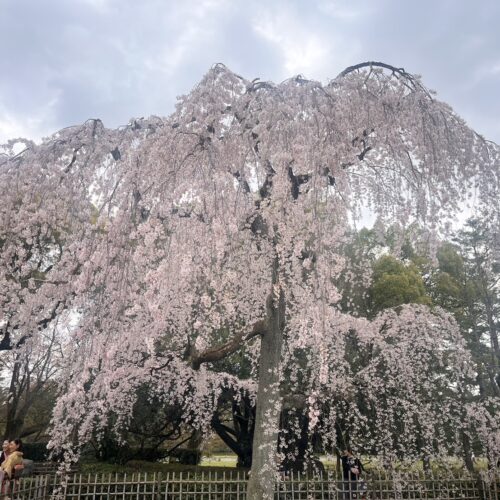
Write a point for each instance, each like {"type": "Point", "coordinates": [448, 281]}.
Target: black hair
{"type": "Point", "coordinates": [19, 444]}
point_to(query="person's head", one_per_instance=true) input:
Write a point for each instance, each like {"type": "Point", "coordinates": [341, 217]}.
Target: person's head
{"type": "Point", "coordinates": [15, 445]}
{"type": "Point", "coordinates": [348, 452]}
{"type": "Point", "coordinates": [5, 445]}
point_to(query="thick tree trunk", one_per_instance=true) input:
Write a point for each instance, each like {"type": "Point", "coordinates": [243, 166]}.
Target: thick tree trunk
{"type": "Point", "coordinates": [239, 438]}
{"type": "Point", "coordinates": [239, 442]}
{"type": "Point", "coordinates": [265, 442]}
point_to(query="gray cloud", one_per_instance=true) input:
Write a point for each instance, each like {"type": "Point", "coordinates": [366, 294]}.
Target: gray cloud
{"type": "Point", "coordinates": [63, 61]}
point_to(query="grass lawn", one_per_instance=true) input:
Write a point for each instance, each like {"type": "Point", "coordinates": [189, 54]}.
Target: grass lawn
{"type": "Point", "coordinates": [220, 462]}
{"type": "Point", "coordinates": [141, 466]}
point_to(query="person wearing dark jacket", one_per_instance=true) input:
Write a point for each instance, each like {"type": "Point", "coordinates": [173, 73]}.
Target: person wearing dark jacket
{"type": "Point", "coordinates": [351, 469]}
{"type": "Point", "coordinates": [5, 451]}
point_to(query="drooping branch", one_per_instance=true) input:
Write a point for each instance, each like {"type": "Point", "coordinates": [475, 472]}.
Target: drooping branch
{"type": "Point", "coordinates": [6, 343]}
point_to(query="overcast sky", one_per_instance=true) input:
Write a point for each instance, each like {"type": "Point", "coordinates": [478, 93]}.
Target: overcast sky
{"type": "Point", "coordinates": [63, 61]}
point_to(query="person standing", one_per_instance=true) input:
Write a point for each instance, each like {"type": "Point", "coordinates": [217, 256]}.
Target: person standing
{"type": "Point", "coordinates": [351, 469]}
{"type": "Point", "coordinates": [5, 451]}
{"type": "Point", "coordinates": [15, 457]}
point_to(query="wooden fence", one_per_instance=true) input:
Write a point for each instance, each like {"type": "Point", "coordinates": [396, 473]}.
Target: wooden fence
{"type": "Point", "coordinates": [211, 485]}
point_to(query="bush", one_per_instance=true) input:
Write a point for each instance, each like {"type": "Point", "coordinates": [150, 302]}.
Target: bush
{"type": "Point", "coordinates": [37, 452]}
{"type": "Point", "coordinates": [186, 456]}
{"type": "Point", "coordinates": [148, 454]}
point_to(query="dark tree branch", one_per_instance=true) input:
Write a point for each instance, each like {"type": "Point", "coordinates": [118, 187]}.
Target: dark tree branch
{"type": "Point", "coordinates": [296, 181]}
{"type": "Point", "coordinates": [370, 64]}
{"type": "Point", "coordinates": [242, 182]}
{"type": "Point", "coordinates": [228, 439]}
{"type": "Point", "coordinates": [399, 72]}
{"type": "Point", "coordinates": [6, 343]}
{"type": "Point", "coordinates": [220, 352]}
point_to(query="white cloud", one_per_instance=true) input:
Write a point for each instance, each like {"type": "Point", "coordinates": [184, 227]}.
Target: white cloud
{"type": "Point", "coordinates": [302, 52]}
{"type": "Point", "coordinates": [193, 29]}
{"type": "Point", "coordinates": [493, 69]}
{"type": "Point", "coordinates": [344, 10]}
{"type": "Point", "coordinates": [118, 58]}
{"type": "Point", "coordinates": [189, 27]}
{"type": "Point", "coordinates": [303, 49]}
{"type": "Point", "coordinates": [99, 5]}
{"type": "Point", "coordinates": [34, 127]}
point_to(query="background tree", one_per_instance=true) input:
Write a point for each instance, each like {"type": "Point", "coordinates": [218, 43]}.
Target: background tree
{"type": "Point", "coordinates": [32, 369]}
{"type": "Point", "coordinates": [465, 282]}
{"type": "Point", "coordinates": [451, 282]}
{"type": "Point", "coordinates": [396, 283]}
{"type": "Point", "coordinates": [479, 248]}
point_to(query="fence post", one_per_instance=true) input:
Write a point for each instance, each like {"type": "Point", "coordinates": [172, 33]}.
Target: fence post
{"type": "Point", "coordinates": [481, 486]}
{"type": "Point", "coordinates": [44, 486]}
{"type": "Point", "coordinates": [488, 485]}
{"type": "Point", "coordinates": [158, 486]}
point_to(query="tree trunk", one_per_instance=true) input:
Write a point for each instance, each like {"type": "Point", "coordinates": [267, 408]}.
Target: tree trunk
{"type": "Point", "coordinates": [468, 457]}
{"type": "Point", "coordinates": [488, 300]}
{"type": "Point", "coordinates": [14, 422]}
{"type": "Point", "coordinates": [244, 421]}
{"type": "Point", "coordinates": [265, 441]}
{"type": "Point", "coordinates": [238, 438]}
{"type": "Point", "coordinates": [13, 428]}
{"type": "Point", "coordinates": [495, 355]}
{"type": "Point", "coordinates": [239, 442]}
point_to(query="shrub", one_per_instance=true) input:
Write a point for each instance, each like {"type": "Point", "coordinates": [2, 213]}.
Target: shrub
{"type": "Point", "coordinates": [37, 452]}
{"type": "Point", "coordinates": [187, 456]}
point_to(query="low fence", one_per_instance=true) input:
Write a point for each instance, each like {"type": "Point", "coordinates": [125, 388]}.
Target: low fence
{"type": "Point", "coordinates": [211, 485]}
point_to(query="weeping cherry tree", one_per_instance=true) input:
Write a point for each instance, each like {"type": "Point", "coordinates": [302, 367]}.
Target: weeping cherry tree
{"type": "Point", "coordinates": [171, 243]}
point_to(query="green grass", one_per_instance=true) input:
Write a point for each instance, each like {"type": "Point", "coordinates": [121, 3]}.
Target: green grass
{"type": "Point", "coordinates": [219, 461]}
{"type": "Point", "coordinates": [222, 462]}
{"type": "Point", "coordinates": [216, 461]}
